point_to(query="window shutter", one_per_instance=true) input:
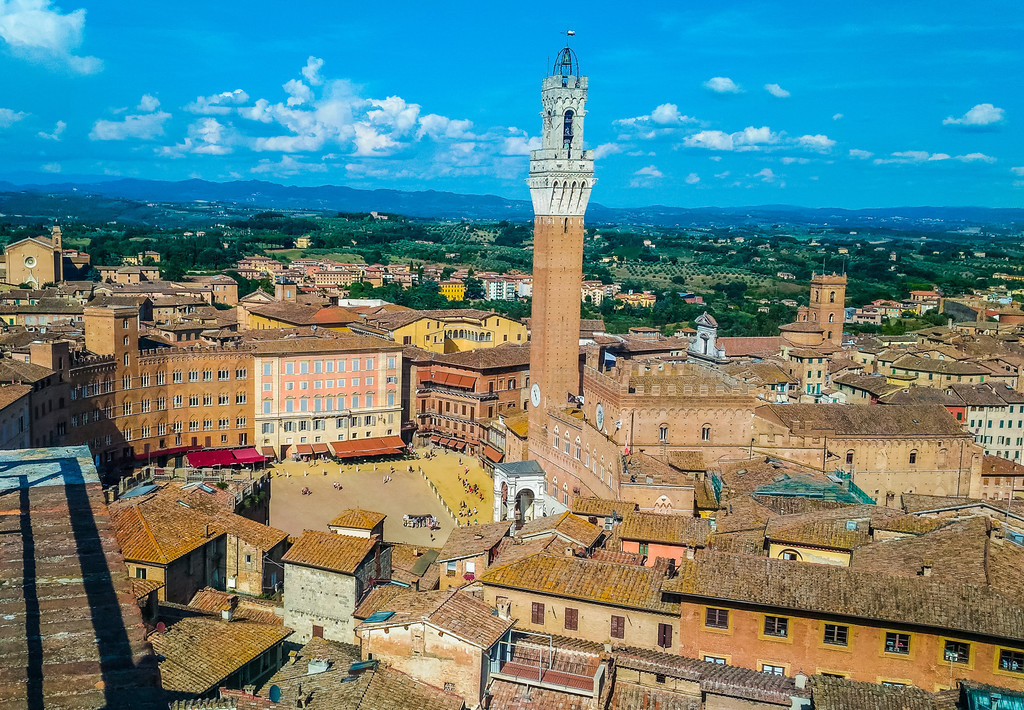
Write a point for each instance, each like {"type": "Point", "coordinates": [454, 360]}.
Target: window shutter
{"type": "Point", "coordinates": [665, 635]}
{"type": "Point", "coordinates": [618, 627]}
{"type": "Point", "coordinates": [538, 613]}
{"type": "Point", "coordinates": [572, 617]}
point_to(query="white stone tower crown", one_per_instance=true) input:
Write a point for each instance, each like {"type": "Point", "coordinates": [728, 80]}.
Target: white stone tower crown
{"type": "Point", "coordinates": [561, 171]}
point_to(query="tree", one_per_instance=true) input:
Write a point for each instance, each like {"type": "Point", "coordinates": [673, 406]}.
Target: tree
{"type": "Point", "coordinates": [474, 288]}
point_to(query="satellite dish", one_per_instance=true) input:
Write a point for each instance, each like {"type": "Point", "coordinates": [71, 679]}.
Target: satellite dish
{"type": "Point", "coordinates": [274, 694]}
{"type": "Point", "coordinates": [161, 627]}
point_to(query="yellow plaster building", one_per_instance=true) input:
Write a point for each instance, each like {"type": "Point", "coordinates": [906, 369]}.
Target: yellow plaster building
{"type": "Point", "coordinates": [445, 331]}
{"type": "Point", "coordinates": [452, 290]}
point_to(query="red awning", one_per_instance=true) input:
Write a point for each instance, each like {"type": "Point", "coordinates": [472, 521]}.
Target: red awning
{"type": "Point", "coordinates": [493, 454]}
{"type": "Point", "coordinates": [435, 439]}
{"type": "Point", "coordinates": [248, 455]}
{"type": "Point", "coordinates": [321, 449]}
{"type": "Point", "coordinates": [445, 441]}
{"type": "Point", "coordinates": [378, 446]}
{"type": "Point", "coordinates": [461, 446]}
{"type": "Point", "coordinates": [268, 451]}
{"type": "Point", "coordinates": [203, 459]}
{"type": "Point", "coordinates": [304, 450]}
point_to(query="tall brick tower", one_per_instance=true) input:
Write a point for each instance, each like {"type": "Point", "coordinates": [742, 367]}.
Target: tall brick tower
{"type": "Point", "coordinates": [827, 305]}
{"type": "Point", "coordinates": [561, 176]}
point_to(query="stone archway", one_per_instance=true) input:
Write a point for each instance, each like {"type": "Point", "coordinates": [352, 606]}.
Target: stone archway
{"type": "Point", "coordinates": [524, 505]}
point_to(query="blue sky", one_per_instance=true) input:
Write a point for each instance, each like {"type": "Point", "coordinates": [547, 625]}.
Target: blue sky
{"type": "Point", "coordinates": [691, 104]}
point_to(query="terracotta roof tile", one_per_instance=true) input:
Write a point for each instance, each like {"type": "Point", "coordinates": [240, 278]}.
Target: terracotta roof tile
{"type": "Point", "coordinates": [786, 584]}
{"type": "Point", "coordinates": [451, 611]}
{"type": "Point", "coordinates": [198, 653]}
{"type": "Point", "coordinates": [601, 582]}
{"type": "Point", "coordinates": [667, 529]}
{"type": "Point", "coordinates": [568, 526]}
{"type": "Point", "coordinates": [472, 540]}
{"type": "Point", "coordinates": [841, 694]}
{"type": "Point", "coordinates": [159, 531]}
{"type": "Point", "coordinates": [330, 551]}
{"type": "Point", "coordinates": [213, 601]}
{"type": "Point", "coordinates": [601, 507]}
{"type": "Point", "coordinates": [358, 518]}
{"type": "Point", "coordinates": [844, 420]}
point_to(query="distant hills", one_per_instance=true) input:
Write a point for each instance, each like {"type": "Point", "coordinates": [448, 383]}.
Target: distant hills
{"type": "Point", "coordinates": [133, 199]}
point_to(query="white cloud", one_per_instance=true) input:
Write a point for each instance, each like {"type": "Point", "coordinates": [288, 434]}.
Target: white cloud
{"type": "Point", "coordinates": [312, 71]}
{"type": "Point", "coordinates": [975, 158]}
{"type": "Point", "coordinates": [394, 112]}
{"type": "Point", "coordinates": [860, 154]}
{"type": "Point", "coordinates": [148, 103]}
{"type": "Point", "coordinates": [606, 149]}
{"type": "Point", "coordinates": [221, 103]}
{"type": "Point", "coordinates": [776, 91]}
{"type": "Point", "coordinates": [790, 160]}
{"type": "Point", "coordinates": [520, 144]}
{"type": "Point", "coordinates": [816, 142]}
{"type": "Point", "coordinates": [666, 114]}
{"type": "Point", "coordinates": [747, 139]}
{"type": "Point", "coordinates": [436, 126]}
{"type": "Point", "coordinates": [287, 165]}
{"type": "Point", "coordinates": [646, 176]}
{"type": "Point", "coordinates": [39, 33]}
{"type": "Point", "coordinates": [766, 175]}
{"type": "Point", "coordinates": [837, 116]}
{"type": "Point", "coordinates": [1018, 171]}
{"type": "Point", "coordinates": [722, 175]}
{"type": "Point", "coordinates": [58, 130]}
{"type": "Point", "coordinates": [692, 179]}
{"type": "Point", "coordinates": [142, 126]}
{"type": "Point", "coordinates": [722, 85]}
{"type": "Point", "coordinates": [920, 156]}
{"type": "Point", "coordinates": [298, 93]}
{"type": "Point", "coordinates": [207, 136]}
{"type": "Point", "coordinates": [369, 142]}
{"type": "Point", "coordinates": [8, 117]}
{"type": "Point", "coordinates": [51, 167]}
{"type": "Point", "coordinates": [980, 115]}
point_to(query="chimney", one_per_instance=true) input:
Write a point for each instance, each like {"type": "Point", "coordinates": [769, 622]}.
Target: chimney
{"type": "Point", "coordinates": [800, 680]}
{"type": "Point", "coordinates": [926, 568]}
{"type": "Point", "coordinates": [206, 530]}
{"type": "Point", "coordinates": [292, 656]}
{"type": "Point", "coordinates": [228, 612]}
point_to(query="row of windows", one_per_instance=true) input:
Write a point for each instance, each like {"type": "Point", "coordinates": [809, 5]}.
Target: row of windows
{"type": "Point", "coordinates": [321, 424]}
{"type": "Point", "coordinates": [895, 642]}
{"type": "Point", "coordinates": [991, 423]}
{"type": "Point", "coordinates": [327, 404]}
{"type": "Point", "coordinates": [616, 626]}
{"type": "Point", "coordinates": [321, 366]}
{"type": "Point", "coordinates": [176, 427]}
{"type": "Point", "coordinates": [320, 384]}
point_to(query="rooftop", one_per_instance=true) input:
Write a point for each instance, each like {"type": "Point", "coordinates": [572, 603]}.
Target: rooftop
{"type": "Point", "coordinates": [472, 540]}
{"type": "Point", "coordinates": [601, 582]}
{"type": "Point", "coordinates": [844, 420]}
{"type": "Point", "coordinates": [330, 551]}
{"type": "Point", "coordinates": [451, 611]}
{"type": "Point", "coordinates": [72, 635]}
{"type": "Point", "coordinates": [667, 529]}
{"type": "Point", "coordinates": [197, 653]}
{"type": "Point", "coordinates": [827, 589]}
{"type": "Point", "coordinates": [358, 518]}
{"type": "Point", "coordinates": [566, 525]}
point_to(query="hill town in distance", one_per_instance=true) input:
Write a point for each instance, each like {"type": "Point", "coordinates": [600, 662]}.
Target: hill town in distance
{"type": "Point", "coordinates": [293, 447]}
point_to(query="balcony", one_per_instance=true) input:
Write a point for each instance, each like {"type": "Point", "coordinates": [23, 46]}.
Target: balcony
{"type": "Point", "coordinates": [532, 660]}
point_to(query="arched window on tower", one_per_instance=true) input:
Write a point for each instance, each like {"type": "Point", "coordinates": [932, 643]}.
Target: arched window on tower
{"type": "Point", "coordinates": [705, 433]}
{"type": "Point", "coordinates": [663, 434]}
{"type": "Point", "coordinates": [567, 130]}
{"type": "Point", "coordinates": [831, 317]}
{"type": "Point", "coordinates": [831, 296]}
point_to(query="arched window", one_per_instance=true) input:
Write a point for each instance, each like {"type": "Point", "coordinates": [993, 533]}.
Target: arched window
{"type": "Point", "coordinates": [558, 441]}
{"type": "Point", "coordinates": [831, 317]}
{"type": "Point", "coordinates": [849, 457]}
{"type": "Point", "coordinates": [913, 457]}
{"type": "Point", "coordinates": [578, 449]}
{"type": "Point", "coordinates": [705, 433]}
{"type": "Point", "coordinates": [663, 433]}
{"type": "Point", "coordinates": [789, 555]}
{"type": "Point", "coordinates": [567, 130]}
{"type": "Point", "coordinates": [816, 297]}
{"type": "Point", "coordinates": [831, 296]}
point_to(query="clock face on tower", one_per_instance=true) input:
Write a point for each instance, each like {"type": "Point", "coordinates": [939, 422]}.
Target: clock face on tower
{"type": "Point", "coordinates": [535, 395]}
{"type": "Point", "coordinates": [600, 416]}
